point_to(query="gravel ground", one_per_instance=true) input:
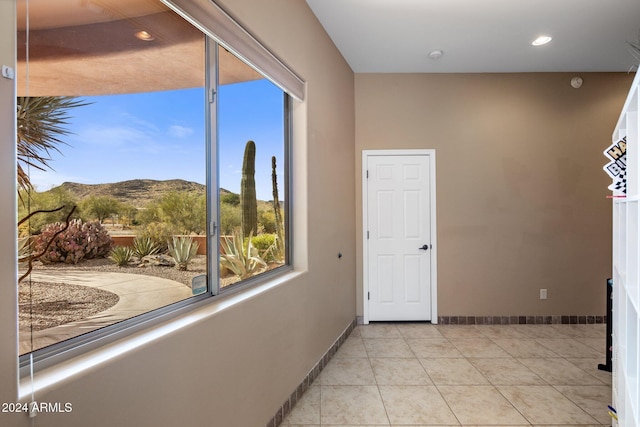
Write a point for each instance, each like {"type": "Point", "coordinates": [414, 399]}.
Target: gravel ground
{"type": "Point", "coordinates": [45, 305]}
{"type": "Point", "coordinates": [196, 267]}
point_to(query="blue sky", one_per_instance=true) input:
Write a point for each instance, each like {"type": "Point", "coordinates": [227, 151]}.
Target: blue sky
{"type": "Point", "coordinates": [160, 135]}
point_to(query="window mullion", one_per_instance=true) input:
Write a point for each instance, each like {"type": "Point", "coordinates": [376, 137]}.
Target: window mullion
{"type": "Point", "coordinates": [213, 203]}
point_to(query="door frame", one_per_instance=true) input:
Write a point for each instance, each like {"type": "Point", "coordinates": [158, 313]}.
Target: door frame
{"type": "Point", "coordinates": [431, 153]}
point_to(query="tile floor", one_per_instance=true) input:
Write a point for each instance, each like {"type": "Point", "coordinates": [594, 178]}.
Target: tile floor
{"type": "Point", "coordinates": [416, 374]}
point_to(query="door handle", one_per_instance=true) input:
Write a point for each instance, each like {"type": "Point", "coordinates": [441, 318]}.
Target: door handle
{"type": "Point", "coordinates": [424, 247]}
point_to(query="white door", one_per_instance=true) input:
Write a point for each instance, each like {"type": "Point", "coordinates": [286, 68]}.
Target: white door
{"type": "Point", "coordinates": [398, 236]}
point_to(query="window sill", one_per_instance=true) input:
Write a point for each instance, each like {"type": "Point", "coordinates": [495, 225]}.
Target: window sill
{"type": "Point", "coordinates": [65, 370]}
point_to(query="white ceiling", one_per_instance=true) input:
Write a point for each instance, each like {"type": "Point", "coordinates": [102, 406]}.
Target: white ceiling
{"type": "Point", "coordinates": [480, 36]}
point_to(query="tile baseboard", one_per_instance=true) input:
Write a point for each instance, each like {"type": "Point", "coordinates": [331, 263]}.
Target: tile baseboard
{"type": "Point", "coordinates": [288, 404]}
{"type": "Point", "coordinates": [515, 320]}
{"type": "Point", "coordinates": [521, 320]}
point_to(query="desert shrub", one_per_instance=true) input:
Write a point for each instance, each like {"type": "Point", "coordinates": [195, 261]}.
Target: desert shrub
{"type": "Point", "coordinates": [158, 232]}
{"type": "Point", "coordinates": [185, 211]}
{"type": "Point", "coordinates": [101, 207]}
{"type": "Point", "coordinates": [266, 246]}
{"type": "Point", "coordinates": [232, 199]}
{"type": "Point", "coordinates": [143, 246]}
{"type": "Point", "coordinates": [148, 215]}
{"type": "Point", "coordinates": [267, 220]}
{"type": "Point", "coordinates": [183, 249]}
{"type": "Point", "coordinates": [229, 218]}
{"type": "Point", "coordinates": [79, 241]}
{"type": "Point", "coordinates": [121, 255]}
{"type": "Point", "coordinates": [48, 200]}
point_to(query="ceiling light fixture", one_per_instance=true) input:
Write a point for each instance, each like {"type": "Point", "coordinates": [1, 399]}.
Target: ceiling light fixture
{"type": "Point", "coordinates": [542, 40]}
{"type": "Point", "coordinates": [435, 54]}
{"type": "Point", "coordinates": [144, 36]}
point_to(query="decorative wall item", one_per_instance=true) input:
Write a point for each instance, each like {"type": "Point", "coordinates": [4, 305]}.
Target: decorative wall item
{"type": "Point", "coordinates": [617, 167]}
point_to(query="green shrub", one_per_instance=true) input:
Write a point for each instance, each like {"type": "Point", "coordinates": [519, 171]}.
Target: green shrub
{"type": "Point", "coordinates": [48, 200]}
{"type": "Point", "coordinates": [159, 233]}
{"type": "Point", "coordinates": [121, 255]}
{"type": "Point", "coordinates": [183, 249]}
{"type": "Point", "coordinates": [229, 218]}
{"type": "Point", "coordinates": [143, 246]}
{"type": "Point", "coordinates": [267, 220]}
{"type": "Point", "coordinates": [185, 212]}
{"type": "Point", "coordinates": [232, 199]}
{"type": "Point", "coordinates": [266, 246]}
{"type": "Point", "coordinates": [80, 240]}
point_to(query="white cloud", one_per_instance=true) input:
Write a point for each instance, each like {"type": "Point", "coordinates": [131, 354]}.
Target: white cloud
{"type": "Point", "coordinates": [178, 131]}
{"type": "Point", "coordinates": [119, 138]}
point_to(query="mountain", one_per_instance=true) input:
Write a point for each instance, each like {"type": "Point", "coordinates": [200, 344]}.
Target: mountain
{"type": "Point", "coordinates": [135, 192]}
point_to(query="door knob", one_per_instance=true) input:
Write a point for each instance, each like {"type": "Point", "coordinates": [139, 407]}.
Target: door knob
{"type": "Point", "coordinates": [424, 247]}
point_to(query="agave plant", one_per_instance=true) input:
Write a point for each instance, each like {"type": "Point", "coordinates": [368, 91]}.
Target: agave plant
{"type": "Point", "coordinates": [144, 246]}
{"type": "Point", "coordinates": [183, 249]}
{"type": "Point", "coordinates": [242, 260]}
{"type": "Point", "coordinates": [121, 255]}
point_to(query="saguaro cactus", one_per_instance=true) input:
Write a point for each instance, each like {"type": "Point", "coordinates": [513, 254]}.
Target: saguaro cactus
{"type": "Point", "coordinates": [276, 209]}
{"type": "Point", "coordinates": [248, 202]}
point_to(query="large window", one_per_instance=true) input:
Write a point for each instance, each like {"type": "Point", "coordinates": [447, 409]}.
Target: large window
{"type": "Point", "coordinates": [153, 167]}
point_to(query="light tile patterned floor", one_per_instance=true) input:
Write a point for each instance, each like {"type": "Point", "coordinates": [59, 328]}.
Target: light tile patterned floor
{"type": "Point", "coordinates": [417, 374]}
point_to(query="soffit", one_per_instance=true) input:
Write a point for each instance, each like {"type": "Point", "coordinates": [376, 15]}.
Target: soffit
{"type": "Point", "coordinates": [93, 50]}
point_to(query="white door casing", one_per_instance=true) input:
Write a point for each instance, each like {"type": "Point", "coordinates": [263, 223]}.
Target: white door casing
{"type": "Point", "coordinates": [399, 251]}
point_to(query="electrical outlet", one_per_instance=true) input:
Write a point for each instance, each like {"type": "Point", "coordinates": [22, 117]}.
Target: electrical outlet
{"type": "Point", "coordinates": [543, 294]}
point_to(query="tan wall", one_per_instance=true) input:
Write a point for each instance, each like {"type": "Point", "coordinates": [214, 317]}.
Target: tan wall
{"type": "Point", "coordinates": [520, 187]}
{"type": "Point", "coordinates": [236, 367]}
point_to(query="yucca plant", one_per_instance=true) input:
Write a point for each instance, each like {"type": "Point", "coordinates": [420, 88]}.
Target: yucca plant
{"type": "Point", "coordinates": [121, 255]}
{"type": "Point", "coordinates": [144, 246]}
{"type": "Point", "coordinates": [183, 249]}
{"type": "Point", "coordinates": [242, 259]}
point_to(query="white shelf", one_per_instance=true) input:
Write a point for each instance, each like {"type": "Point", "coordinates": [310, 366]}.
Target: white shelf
{"type": "Point", "coordinates": [626, 270]}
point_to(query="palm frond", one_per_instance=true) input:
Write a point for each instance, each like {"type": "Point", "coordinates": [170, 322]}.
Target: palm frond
{"type": "Point", "coordinates": [634, 48]}
{"type": "Point", "coordinates": [41, 125]}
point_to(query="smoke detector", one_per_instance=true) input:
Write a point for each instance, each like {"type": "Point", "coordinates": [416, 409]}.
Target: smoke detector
{"type": "Point", "coordinates": [435, 54]}
{"type": "Point", "coordinates": [576, 82]}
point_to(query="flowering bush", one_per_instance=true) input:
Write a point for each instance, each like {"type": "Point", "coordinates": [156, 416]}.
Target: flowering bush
{"type": "Point", "coordinates": [80, 240]}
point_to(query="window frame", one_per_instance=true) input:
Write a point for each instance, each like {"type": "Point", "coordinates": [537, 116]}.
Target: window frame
{"type": "Point", "coordinates": [61, 351]}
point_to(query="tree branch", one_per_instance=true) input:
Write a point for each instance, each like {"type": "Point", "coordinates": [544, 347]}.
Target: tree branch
{"type": "Point", "coordinates": [32, 258]}
{"type": "Point", "coordinates": [42, 211]}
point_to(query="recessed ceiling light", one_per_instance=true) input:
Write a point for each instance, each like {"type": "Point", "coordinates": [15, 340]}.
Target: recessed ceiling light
{"type": "Point", "coordinates": [542, 40]}
{"type": "Point", "coordinates": [144, 36]}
